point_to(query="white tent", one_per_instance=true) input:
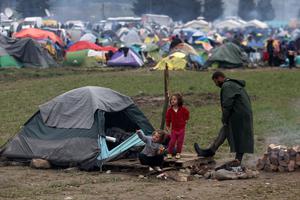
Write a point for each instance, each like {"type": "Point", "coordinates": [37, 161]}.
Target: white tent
{"type": "Point", "coordinates": [88, 37]}
{"type": "Point", "coordinates": [122, 31]}
{"type": "Point", "coordinates": [197, 24]}
{"type": "Point", "coordinates": [256, 23]}
{"type": "Point", "coordinates": [229, 24]}
{"type": "Point", "coordinates": [132, 37]}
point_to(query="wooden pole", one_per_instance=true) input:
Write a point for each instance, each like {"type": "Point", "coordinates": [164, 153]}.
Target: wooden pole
{"type": "Point", "coordinates": [166, 94]}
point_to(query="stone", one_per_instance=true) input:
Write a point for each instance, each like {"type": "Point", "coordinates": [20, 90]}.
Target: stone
{"type": "Point", "coordinates": [40, 164]}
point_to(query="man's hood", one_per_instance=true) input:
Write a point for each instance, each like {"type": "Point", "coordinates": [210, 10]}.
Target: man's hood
{"type": "Point", "coordinates": [240, 82]}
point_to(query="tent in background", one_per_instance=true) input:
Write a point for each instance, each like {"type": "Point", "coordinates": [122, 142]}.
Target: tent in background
{"type": "Point", "coordinates": [88, 37]}
{"type": "Point", "coordinates": [85, 58]}
{"type": "Point", "coordinates": [38, 34]}
{"type": "Point", "coordinates": [131, 38]}
{"type": "Point", "coordinates": [175, 61]}
{"type": "Point", "coordinates": [7, 61]}
{"type": "Point", "coordinates": [28, 52]}
{"type": "Point", "coordinates": [125, 57]}
{"type": "Point", "coordinates": [229, 55]}
{"type": "Point", "coordinates": [84, 45]}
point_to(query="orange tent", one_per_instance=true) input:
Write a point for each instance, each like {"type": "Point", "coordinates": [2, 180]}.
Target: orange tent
{"type": "Point", "coordinates": [38, 34]}
{"type": "Point", "coordinates": [83, 45]}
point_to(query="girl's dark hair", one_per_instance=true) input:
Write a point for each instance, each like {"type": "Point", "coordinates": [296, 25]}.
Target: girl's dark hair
{"type": "Point", "coordinates": [178, 97]}
{"type": "Point", "coordinates": [161, 134]}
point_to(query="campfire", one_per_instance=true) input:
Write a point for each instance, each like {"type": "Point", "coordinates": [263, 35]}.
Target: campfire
{"type": "Point", "coordinates": [279, 158]}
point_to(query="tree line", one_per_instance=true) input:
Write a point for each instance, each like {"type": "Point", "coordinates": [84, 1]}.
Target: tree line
{"type": "Point", "coordinates": [179, 10]}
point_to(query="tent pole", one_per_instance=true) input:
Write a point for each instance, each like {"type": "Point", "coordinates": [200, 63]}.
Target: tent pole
{"type": "Point", "coordinates": [166, 94]}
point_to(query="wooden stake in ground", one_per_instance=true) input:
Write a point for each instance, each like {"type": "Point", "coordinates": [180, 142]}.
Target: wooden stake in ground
{"type": "Point", "coordinates": [166, 93]}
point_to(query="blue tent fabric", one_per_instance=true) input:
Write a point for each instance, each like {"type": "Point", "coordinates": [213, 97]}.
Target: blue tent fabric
{"type": "Point", "coordinates": [107, 154]}
{"type": "Point", "coordinates": [198, 59]}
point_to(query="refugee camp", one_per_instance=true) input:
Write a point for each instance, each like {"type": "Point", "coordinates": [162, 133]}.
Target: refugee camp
{"type": "Point", "coordinates": [149, 99]}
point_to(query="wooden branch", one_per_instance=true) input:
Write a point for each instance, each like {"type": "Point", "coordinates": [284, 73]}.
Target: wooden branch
{"type": "Point", "coordinates": [166, 94]}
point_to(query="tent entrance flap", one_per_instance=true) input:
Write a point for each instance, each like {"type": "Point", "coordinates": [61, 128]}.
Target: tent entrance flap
{"type": "Point", "coordinates": [106, 154]}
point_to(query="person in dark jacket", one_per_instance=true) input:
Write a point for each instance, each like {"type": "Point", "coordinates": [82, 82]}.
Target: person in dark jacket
{"type": "Point", "coordinates": [270, 50]}
{"type": "Point", "coordinates": [236, 118]}
{"type": "Point", "coordinates": [175, 41]}
{"type": "Point", "coordinates": [291, 51]}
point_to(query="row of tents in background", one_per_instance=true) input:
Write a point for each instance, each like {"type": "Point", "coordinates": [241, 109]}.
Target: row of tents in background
{"type": "Point", "coordinates": [194, 45]}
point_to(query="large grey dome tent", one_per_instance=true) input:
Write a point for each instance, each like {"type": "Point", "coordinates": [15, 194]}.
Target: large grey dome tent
{"type": "Point", "coordinates": [73, 128]}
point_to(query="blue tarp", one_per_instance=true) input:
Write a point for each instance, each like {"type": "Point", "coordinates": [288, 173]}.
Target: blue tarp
{"type": "Point", "coordinates": [105, 154]}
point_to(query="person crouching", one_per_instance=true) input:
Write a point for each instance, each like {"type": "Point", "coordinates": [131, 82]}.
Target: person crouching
{"type": "Point", "coordinates": [152, 154]}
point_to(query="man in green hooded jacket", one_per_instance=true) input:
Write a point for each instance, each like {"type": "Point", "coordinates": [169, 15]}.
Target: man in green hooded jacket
{"type": "Point", "coordinates": [236, 118]}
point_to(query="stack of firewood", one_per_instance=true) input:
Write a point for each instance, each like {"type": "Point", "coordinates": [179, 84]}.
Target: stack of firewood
{"type": "Point", "coordinates": [279, 158]}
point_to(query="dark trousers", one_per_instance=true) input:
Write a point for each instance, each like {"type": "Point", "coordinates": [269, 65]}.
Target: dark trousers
{"type": "Point", "coordinates": [271, 59]}
{"type": "Point", "coordinates": [220, 139]}
{"type": "Point", "coordinates": [152, 161]}
{"type": "Point", "coordinates": [291, 61]}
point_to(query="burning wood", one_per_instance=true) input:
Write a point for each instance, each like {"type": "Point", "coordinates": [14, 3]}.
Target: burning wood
{"type": "Point", "coordinates": [280, 158]}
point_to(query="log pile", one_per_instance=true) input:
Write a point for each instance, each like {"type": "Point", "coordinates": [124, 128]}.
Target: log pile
{"type": "Point", "coordinates": [279, 158]}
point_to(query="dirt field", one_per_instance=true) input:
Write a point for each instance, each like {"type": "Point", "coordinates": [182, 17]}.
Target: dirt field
{"type": "Point", "coordinates": [26, 183]}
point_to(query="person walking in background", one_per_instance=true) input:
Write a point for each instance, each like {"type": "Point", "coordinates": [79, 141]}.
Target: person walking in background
{"type": "Point", "coordinates": [291, 52]}
{"type": "Point", "coordinates": [236, 118]}
{"type": "Point", "coordinates": [270, 50]}
{"type": "Point", "coordinates": [176, 119]}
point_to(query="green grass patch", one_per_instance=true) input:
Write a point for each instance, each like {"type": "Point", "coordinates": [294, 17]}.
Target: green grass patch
{"type": "Point", "coordinates": [275, 94]}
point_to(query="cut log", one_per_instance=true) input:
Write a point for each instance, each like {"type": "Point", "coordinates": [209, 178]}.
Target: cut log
{"type": "Point", "coordinates": [292, 152]}
{"type": "Point", "coordinates": [297, 148]}
{"type": "Point", "coordinates": [280, 158]}
{"type": "Point", "coordinates": [297, 159]}
{"type": "Point", "coordinates": [260, 165]}
{"type": "Point", "coordinates": [40, 164]}
{"type": "Point", "coordinates": [274, 158]}
{"type": "Point", "coordinates": [291, 166]}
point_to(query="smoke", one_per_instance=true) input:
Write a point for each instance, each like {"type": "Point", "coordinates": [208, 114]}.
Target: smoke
{"type": "Point", "coordinates": [93, 11]}
{"type": "Point", "coordinates": [284, 10]}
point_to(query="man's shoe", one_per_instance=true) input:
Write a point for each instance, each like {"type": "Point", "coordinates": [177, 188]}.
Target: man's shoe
{"type": "Point", "coordinates": [169, 156]}
{"type": "Point", "coordinates": [203, 152]}
{"type": "Point", "coordinates": [178, 156]}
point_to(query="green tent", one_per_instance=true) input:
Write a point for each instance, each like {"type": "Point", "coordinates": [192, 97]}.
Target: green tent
{"type": "Point", "coordinates": [81, 59]}
{"type": "Point", "coordinates": [7, 61]}
{"type": "Point", "coordinates": [84, 127]}
{"type": "Point", "coordinates": [229, 55]}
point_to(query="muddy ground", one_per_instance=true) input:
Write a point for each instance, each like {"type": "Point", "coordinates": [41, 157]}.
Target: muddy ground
{"type": "Point", "coordinates": [21, 182]}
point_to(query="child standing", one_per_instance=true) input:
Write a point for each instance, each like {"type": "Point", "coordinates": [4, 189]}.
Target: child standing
{"type": "Point", "coordinates": [152, 154]}
{"type": "Point", "coordinates": [176, 117]}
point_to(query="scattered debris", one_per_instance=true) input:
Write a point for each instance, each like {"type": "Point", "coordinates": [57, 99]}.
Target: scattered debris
{"type": "Point", "coordinates": [142, 176]}
{"type": "Point", "coordinates": [71, 169]}
{"type": "Point", "coordinates": [162, 176]}
{"type": "Point", "coordinates": [279, 158]}
{"type": "Point", "coordinates": [179, 176]}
